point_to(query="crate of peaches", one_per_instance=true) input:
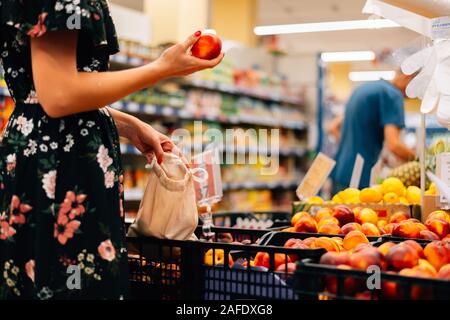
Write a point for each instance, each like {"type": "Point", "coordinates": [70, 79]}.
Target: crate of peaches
{"type": "Point", "coordinates": [342, 219]}
{"type": "Point", "coordinates": [384, 270]}
{"type": "Point", "coordinates": [386, 198]}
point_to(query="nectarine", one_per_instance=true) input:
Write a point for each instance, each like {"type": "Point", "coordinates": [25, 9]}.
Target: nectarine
{"type": "Point", "coordinates": [330, 228]}
{"type": "Point", "coordinates": [353, 238]}
{"type": "Point", "coordinates": [351, 226]}
{"type": "Point", "coordinates": [389, 228]}
{"type": "Point", "coordinates": [398, 217]}
{"type": "Point", "coordinates": [335, 258]}
{"type": "Point", "coordinates": [428, 235]}
{"type": "Point", "coordinates": [326, 243]}
{"type": "Point", "coordinates": [384, 248]}
{"type": "Point", "coordinates": [444, 272]}
{"type": "Point", "coordinates": [416, 246]}
{"type": "Point", "coordinates": [344, 214]}
{"type": "Point", "coordinates": [439, 214]}
{"type": "Point", "coordinates": [365, 258]}
{"type": "Point", "coordinates": [306, 224]}
{"type": "Point", "coordinates": [439, 226]}
{"type": "Point", "coordinates": [323, 213]}
{"type": "Point", "coordinates": [402, 256]}
{"type": "Point", "coordinates": [309, 241]}
{"type": "Point", "coordinates": [298, 216]}
{"type": "Point", "coordinates": [351, 286]}
{"type": "Point", "coordinates": [407, 229]}
{"type": "Point", "coordinates": [369, 229]}
{"type": "Point", "coordinates": [437, 254]}
{"type": "Point", "coordinates": [367, 215]}
{"type": "Point", "coordinates": [262, 259]}
{"type": "Point", "coordinates": [327, 220]}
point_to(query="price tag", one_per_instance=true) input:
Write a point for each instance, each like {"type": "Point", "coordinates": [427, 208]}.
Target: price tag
{"type": "Point", "coordinates": [208, 191]}
{"type": "Point", "coordinates": [357, 171]}
{"type": "Point", "coordinates": [316, 176]}
{"type": "Point", "coordinates": [440, 28]}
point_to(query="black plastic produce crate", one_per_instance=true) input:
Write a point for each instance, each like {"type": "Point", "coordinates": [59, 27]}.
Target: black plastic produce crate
{"type": "Point", "coordinates": [274, 219]}
{"type": "Point", "coordinates": [313, 279]}
{"type": "Point", "coordinates": [173, 270]}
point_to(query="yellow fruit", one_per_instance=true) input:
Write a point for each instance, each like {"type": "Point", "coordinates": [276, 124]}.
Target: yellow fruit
{"type": "Point", "coordinates": [370, 195]}
{"type": "Point", "coordinates": [336, 199]}
{"type": "Point", "coordinates": [393, 185]}
{"type": "Point", "coordinates": [391, 197]}
{"type": "Point", "coordinates": [353, 200]}
{"type": "Point", "coordinates": [349, 194]}
{"type": "Point", "coordinates": [403, 200]}
{"type": "Point", "coordinates": [413, 195]}
{"type": "Point", "coordinates": [430, 193]}
{"type": "Point", "coordinates": [378, 188]}
{"type": "Point", "coordinates": [314, 200]}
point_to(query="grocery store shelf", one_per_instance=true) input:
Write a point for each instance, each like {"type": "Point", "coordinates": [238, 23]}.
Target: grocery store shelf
{"type": "Point", "coordinates": [136, 194]}
{"type": "Point", "coordinates": [167, 111]}
{"type": "Point", "coordinates": [261, 185]}
{"type": "Point", "coordinates": [123, 62]}
{"type": "Point", "coordinates": [128, 149]}
{"type": "Point", "coordinates": [235, 90]}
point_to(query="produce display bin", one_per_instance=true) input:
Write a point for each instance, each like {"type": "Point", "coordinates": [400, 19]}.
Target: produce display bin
{"type": "Point", "coordinates": [311, 282]}
{"type": "Point", "coordinates": [265, 220]}
{"type": "Point", "coordinates": [312, 279]}
{"type": "Point", "coordinates": [383, 210]}
{"type": "Point", "coordinates": [173, 270]}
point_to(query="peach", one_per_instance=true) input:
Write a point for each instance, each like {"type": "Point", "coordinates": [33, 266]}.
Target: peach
{"type": "Point", "coordinates": [353, 238]}
{"type": "Point", "coordinates": [446, 238]}
{"type": "Point", "coordinates": [369, 229]}
{"type": "Point", "coordinates": [440, 214]}
{"type": "Point", "coordinates": [330, 228]}
{"type": "Point", "coordinates": [367, 215]}
{"type": "Point", "coordinates": [425, 265]}
{"type": "Point", "coordinates": [286, 268]}
{"type": "Point", "coordinates": [361, 246]}
{"type": "Point", "coordinates": [326, 243]}
{"type": "Point", "coordinates": [352, 226]}
{"type": "Point", "coordinates": [309, 241]}
{"type": "Point", "coordinates": [402, 256]}
{"type": "Point", "coordinates": [365, 258]}
{"type": "Point", "coordinates": [384, 248]}
{"type": "Point", "coordinates": [418, 292]}
{"type": "Point", "coordinates": [328, 220]}
{"type": "Point", "coordinates": [298, 216]}
{"type": "Point", "coordinates": [439, 226]}
{"type": "Point", "coordinates": [390, 289]}
{"type": "Point", "coordinates": [350, 285]}
{"type": "Point", "coordinates": [416, 246]}
{"type": "Point", "coordinates": [382, 223]}
{"type": "Point", "coordinates": [407, 229]}
{"type": "Point", "coordinates": [262, 259]}
{"type": "Point", "coordinates": [335, 258]}
{"type": "Point", "coordinates": [389, 228]}
{"type": "Point", "coordinates": [428, 235]}
{"type": "Point", "coordinates": [306, 224]}
{"type": "Point", "coordinates": [344, 214]}
{"type": "Point", "coordinates": [437, 253]}
{"type": "Point", "coordinates": [398, 217]}
{"type": "Point", "coordinates": [444, 272]}
{"type": "Point", "coordinates": [291, 243]}
{"type": "Point", "coordinates": [323, 213]}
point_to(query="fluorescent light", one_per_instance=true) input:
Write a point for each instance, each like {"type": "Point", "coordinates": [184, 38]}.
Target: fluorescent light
{"type": "Point", "coordinates": [325, 26]}
{"type": "Point", "coordinates": [371, 75]}
{"type": "Point", "coordinates": [348, 56]}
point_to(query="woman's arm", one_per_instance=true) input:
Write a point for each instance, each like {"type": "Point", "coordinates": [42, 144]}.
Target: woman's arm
{"type": "Point", "coordinates": [62, 90]}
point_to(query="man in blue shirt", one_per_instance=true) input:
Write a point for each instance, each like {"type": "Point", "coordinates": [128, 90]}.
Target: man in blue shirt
{"type": "Point", "coordinates": [374, 116]}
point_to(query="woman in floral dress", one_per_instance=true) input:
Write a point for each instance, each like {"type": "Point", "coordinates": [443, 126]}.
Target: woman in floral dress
{"type": "Point", "coordinates": [61, 194]}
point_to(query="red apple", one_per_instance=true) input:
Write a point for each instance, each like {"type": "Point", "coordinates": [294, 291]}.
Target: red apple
{"type": "Point", "coordinates": [207, 47]}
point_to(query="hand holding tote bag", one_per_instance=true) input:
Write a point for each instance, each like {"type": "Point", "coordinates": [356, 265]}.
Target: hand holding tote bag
{"type": "Point", "coordinates": [168, 209]}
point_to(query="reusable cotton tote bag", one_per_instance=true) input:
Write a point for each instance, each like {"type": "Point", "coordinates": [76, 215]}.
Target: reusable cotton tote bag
{"type": "Point", "coordinates": [168, 209]}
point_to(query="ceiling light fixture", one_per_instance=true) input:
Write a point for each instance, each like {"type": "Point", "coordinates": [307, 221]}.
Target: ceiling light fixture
{"type": "Point", "coordinates": [325, 26]}
{"type": "Point", "coordinates": [348, 56]}
{"type": "Point", "coordinates": [371, 75]}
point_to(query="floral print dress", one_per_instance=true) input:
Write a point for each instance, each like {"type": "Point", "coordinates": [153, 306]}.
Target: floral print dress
{"type": "Point", "coordinates": [61, 216]}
